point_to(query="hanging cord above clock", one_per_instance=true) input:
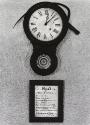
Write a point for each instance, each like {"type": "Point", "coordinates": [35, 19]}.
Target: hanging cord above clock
{"type": "Point", "coordinates": [68, 17]}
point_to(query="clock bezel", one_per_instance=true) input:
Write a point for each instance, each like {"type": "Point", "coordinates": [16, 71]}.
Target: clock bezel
{"type": "Point", "coordinates": [50, 5]}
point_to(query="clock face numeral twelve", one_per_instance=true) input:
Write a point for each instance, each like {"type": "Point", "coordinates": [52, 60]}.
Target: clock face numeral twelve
{"type": "Point", "coordinates": [46, 12]}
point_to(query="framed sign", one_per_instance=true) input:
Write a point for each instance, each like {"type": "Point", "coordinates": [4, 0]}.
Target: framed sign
{"type": "Point", "coordinates": [46, 100]}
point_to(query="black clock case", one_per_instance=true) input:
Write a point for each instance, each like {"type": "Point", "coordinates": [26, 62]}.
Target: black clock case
{"type": "Point", "coordinates": [44, 47]}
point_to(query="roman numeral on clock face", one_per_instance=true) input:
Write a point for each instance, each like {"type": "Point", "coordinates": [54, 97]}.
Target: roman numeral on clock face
{"type": "Point", "coordinates": [52, 13]}
{"type": "Point", "coordinates": [40, 13]}
{"type": "Point", "coordinates": [55, 30]}
{"type": "Point", "coordinates": [51, 35]}
{"type": "Point", "coordinates": [39, 34]}
{"type": "Point", "coordinates": [34, 29]}
{"type": "Point", "coordinates": [33, 23]}
{"type": "Point", "coordinates": [56, 18]}
{"type": "Point", "coordinates": [45, 37]}
{"type": "Point", "coordinates": [57, 24]}
{"type": "Point", "coordinates": [46, 12]}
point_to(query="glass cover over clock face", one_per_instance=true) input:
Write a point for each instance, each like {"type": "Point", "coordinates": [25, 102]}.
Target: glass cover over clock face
{"type": "Point", "coordinates": [45, 24]}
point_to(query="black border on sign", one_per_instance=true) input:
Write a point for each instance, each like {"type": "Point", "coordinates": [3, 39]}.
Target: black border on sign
{"type": "Point", "coordinates": [60, 84]}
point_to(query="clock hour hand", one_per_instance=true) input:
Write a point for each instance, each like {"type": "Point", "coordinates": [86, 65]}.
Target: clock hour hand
{"type": "Point", "coordinates": [47, 17]}
{"type": "Point", "coordinates": [49, 20]}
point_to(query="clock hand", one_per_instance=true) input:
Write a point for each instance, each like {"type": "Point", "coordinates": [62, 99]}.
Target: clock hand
{"type": "Point", "coordinates": [49, 20]}
{"type": "Point", "coordinates": [47, 17]}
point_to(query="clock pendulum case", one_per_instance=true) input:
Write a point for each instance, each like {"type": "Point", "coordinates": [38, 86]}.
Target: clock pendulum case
{"type": "Point", "coordinates": [45, 25]}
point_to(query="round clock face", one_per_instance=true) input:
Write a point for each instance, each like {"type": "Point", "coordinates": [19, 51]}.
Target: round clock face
{"type": "Point", "coordinates": [45, 24]}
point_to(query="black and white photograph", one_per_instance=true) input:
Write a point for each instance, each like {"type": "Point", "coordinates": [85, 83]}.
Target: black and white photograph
{"type": "Point", "coordinates": [44, 62]}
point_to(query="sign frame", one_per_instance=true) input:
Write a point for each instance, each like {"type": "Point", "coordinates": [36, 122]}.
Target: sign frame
{"type": "Point", "coordinates": [60, 85]}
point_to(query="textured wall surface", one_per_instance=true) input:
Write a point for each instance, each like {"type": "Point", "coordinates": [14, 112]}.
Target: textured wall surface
{"type": "Point", "coordinates": [15, 71]}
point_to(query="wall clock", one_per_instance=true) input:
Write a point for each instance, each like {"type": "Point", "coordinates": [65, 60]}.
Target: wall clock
{"type": "Point", "coordinates": [45, 25]}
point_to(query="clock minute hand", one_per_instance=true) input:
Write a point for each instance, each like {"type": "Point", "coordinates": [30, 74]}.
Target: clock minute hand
{"type": "Point", "coordinates": [49, 20]}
